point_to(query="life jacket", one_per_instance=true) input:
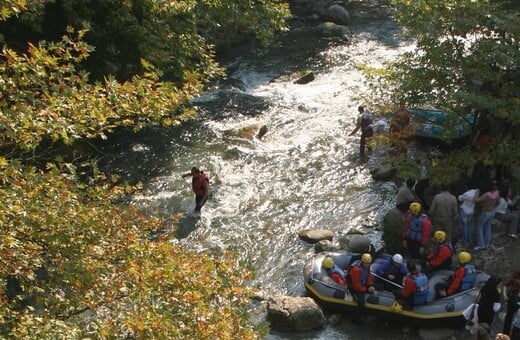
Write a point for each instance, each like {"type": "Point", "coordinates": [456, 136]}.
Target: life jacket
{"type": "Point", "coordinates": [364, 272]}
{"type": "Point", "coordinates": [415, 227]}
{"type": "Point", "coordinates": [421, 289]}
{"type": "Point", "coordinates": [469, 277]}
{"type": "Point", "coordinates": [337, 270]}
{"type": "Point", "coordinates": [197, 183]}
{"type": "Point", "coordinates": [437, 250]}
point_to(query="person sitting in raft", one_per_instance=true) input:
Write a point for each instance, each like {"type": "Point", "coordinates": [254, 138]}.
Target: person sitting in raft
{"type": "Point", "coordinates": [461, 280]}
{"type": "Point", "coordinates": [333, 271]}
{"type": "Point", "coordinates": [415, 288]}
{"type": "Point", "coordinates": [392, 269]}
{"type": "Point", "coordinates": [441, 253]}
{"type": "Point", "coordinates": [360, 280]}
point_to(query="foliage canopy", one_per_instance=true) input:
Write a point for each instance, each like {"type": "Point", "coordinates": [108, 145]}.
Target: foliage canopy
{"type": "Point", "coordinates": [465, 60]}
{"type": "Point", "coordinates": [76, 262]}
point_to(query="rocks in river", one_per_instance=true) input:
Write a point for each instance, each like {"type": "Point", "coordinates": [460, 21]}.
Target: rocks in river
{"type": "Point", "coordinates": [436, 333]}
{"type": "Point", "coordinates": [261, 132]}
{"type": "Point", "coordinates": [249, 131]}
{"type": "Point", "coordinates": [336, 14]}
{"type": "Point", "coordinates": [330, 29]}
{"type": "Point", "coordinates": [258, 311]}
{"type": "Point", "coordinates": [359, 244]}
{"type": "Point", "coordinates": [325, 245]}
{"type": "Point", "coordinates": [294, 314]}
{"type": "Point", "coordinates": [307, 78]}
{"type": "Point", "coordinates": [382, 173]}
{"type": "Point", "coordinates": [315, 235]}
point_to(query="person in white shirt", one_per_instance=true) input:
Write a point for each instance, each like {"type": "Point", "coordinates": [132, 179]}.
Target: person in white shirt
{"type": "Point", "coordinates": [504, 214]}
{"type": "Point", "coordinates": [467, 209]}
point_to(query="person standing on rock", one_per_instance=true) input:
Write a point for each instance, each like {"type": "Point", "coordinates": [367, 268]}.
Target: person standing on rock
{"type": "Point", "coordinates": [416, 231]}
{"type": "Point", "coordinates": [511, 294]}
{"type": "Point", "coordinates": [200, 186]}
{"type": "Point", "coordinates": [488, 201]}
{"type": "Point", "coordinates": [364, 122]}
{"type": "Point", "coordinates": [489, 301]}
{"type": "Point", "coordinates": [467, 210]}
{"type": "Point", "coordinates": [405, 195]}
{"type": "Point", "coordinates": [444, 212]}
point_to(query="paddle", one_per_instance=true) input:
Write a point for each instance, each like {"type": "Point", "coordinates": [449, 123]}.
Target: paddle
{"type": "Point", "coordinates": [386, 280]}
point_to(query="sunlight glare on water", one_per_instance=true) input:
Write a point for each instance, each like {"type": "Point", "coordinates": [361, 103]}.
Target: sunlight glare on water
{"type": "Point", "coordinates": [303, 174]}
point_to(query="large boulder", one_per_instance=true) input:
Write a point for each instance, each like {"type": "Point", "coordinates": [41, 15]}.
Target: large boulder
{"type": "Point", "coordinates": [363, 243]}
{"type": "Point", "coordinates": [336, 14]}
{"type": "Point", "coordinates": [325, 245]}
{"type": "Point", "coordinates": [295, 314]}
{"type": "Point", "coordinates": [315, 235]}
{"type": "Point", "coordinates": [382, 173]}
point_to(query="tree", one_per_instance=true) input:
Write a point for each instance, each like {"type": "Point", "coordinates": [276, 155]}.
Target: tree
{"type": "Point", "coordinates": [178, 37]}
{"type": "Point", "coordinates": [465, 60]}
{"type": "Point", "coordinates": [76, 262]}
{"type": "Point", "coordinates": [78, 265]}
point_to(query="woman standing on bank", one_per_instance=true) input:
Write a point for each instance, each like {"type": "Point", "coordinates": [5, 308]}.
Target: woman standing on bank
{"type": "Point", "coordinates": [489, 302]}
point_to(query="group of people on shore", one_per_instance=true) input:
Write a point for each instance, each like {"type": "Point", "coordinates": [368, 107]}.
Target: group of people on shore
{"type": "Point", "coordinates": [456, 215]}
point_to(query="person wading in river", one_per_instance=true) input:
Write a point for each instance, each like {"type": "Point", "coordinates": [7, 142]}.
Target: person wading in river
{"type": "Point", "coordinates": [200, 186]}
{"type": "Point", "coordinates": [364, 122]}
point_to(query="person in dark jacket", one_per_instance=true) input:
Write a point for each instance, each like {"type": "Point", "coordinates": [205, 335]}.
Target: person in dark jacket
{"type": "Point", "coordinates": [511, 294]}
{"type": "Point", "coordinates": [364, 122]}
{"type": "Point", "coordinates": [489, 300]}
{"type": "Point", "coordinates": [200, 186]}
{"type": "Point", "coordinates": [391, 269]}
{"type": "Point", "coordinates": [405, 195]}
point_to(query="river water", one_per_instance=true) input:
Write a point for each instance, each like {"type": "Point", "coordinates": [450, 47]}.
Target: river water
{"type": "Point", "coordinates": [303, 174]}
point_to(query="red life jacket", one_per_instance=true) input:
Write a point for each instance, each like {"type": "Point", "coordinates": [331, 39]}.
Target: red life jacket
{"type": "Point", "coordinates": [198, 183]}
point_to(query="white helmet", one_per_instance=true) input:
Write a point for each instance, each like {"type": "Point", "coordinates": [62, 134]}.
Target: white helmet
{"type": "Point", "coordinates": [397, 258]}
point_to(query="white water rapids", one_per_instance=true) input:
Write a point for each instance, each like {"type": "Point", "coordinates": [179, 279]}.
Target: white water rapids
{"type": "Point", "coordinates": [302, 174]}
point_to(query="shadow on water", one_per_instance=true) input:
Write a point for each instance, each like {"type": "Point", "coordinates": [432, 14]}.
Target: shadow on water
{"type": "Point", "coordinates": [187, 224]}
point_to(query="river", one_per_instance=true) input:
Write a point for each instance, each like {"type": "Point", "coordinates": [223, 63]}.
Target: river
{"type": "Point", "coordinates": [303, 174]}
